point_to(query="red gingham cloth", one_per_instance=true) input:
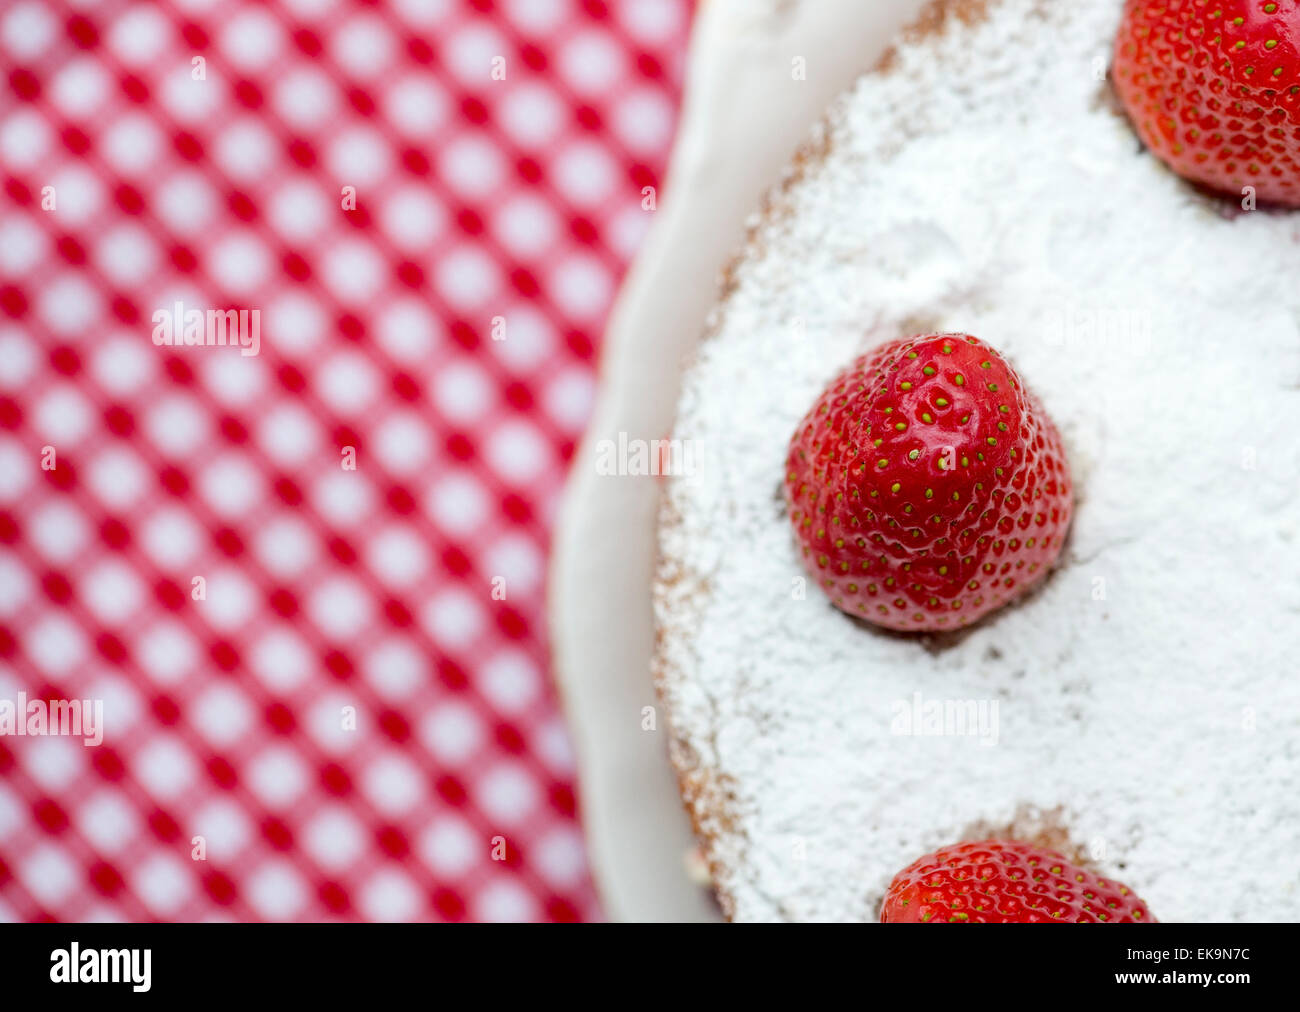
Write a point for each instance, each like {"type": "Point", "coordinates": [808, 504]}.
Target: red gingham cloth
{"type": "Point", "coordinates": [476, 198]}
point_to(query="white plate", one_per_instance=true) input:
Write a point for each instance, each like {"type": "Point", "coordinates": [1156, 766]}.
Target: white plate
{"type": "Point", "coordinates": [745, 112]}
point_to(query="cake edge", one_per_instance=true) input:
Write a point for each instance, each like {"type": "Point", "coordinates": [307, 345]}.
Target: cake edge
{"type": "Point", "coordinates": [704, 792]}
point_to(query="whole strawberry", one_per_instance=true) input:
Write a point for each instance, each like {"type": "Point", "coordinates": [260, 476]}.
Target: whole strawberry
{"type": "Point", "coordinates": [1213, 89]}
{"type": "Point", "coordinates": [1006, 882]}
{"type": "Point", "coordinates": [927, 486]}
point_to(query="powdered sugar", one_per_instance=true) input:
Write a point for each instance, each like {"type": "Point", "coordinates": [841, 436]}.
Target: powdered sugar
{"type": "Point", "coordinates": [1148, 692]}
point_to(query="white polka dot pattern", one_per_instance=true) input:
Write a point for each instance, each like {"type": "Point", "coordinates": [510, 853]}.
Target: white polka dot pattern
{"type": "Point", "coordinates": [307, 584]}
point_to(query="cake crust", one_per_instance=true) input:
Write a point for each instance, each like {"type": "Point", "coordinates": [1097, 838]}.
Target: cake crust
{"type": "Point", "coordinates": [707, 794]}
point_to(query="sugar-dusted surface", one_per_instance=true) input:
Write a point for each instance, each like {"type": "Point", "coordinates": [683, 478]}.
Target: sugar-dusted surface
{"type": "Point", "coordinates": [1148, 691]}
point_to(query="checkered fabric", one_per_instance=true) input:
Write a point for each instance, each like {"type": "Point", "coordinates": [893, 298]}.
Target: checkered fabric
{"type": "Point", "coordinates": [307, 584]}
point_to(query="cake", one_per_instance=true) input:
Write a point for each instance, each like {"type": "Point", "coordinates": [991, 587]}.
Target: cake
{"type": "Point", "coordinates": [1137, 711]}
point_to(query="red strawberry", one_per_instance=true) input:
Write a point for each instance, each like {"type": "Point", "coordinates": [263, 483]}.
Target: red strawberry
{"type": "Point", "coordinates": [927, 486]}
{"type": "Point", "coordinates": [1213, 89]}
{"type": "Point", "coordinates": [1006, 882]}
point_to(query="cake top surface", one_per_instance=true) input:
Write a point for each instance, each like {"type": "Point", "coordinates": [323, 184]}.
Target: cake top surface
{"type": "Point", "coordinates": [1140, 707]}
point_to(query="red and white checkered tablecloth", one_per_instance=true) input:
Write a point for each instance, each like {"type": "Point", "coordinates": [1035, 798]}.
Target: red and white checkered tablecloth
{"type": "Point", "coordinates": [201, 152]}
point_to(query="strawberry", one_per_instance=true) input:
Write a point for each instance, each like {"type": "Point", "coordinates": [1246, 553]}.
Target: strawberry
{"type": "Point", "coordinates": [1006, 882]}
{"type": "Point", "coordinates": [927, 486]}
{"type": "Point", "coordinates": [1213, 89]}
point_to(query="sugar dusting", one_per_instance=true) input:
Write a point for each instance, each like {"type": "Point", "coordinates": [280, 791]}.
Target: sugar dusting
{"type": "Point", "coordinates": [1146, 695]}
